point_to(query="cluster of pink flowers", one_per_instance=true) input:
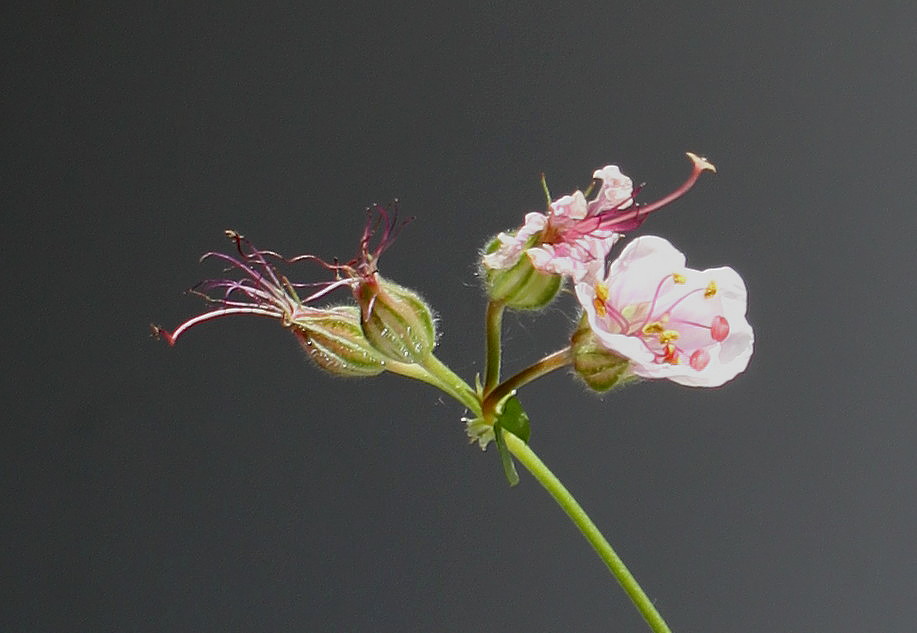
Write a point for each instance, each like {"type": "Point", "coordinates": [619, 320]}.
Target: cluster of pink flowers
{"type": "Point", "coordinates": [646, 309]}
{"type": "Point", "coordinates": [666, 320]}
{"type": "Point", "coordinates": [646, 315]}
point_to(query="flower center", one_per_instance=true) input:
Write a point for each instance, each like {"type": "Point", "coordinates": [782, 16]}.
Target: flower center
{"type": "Point", "coordinates": [661, 327]}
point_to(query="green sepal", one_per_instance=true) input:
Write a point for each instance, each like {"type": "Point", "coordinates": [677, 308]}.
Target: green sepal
{"type": "Point", "coordinates": [512, 418]}
{"type": "Point", "coordinates": [334, 341]}
{"type": "Point", "coordinates": [521, 286]}
{"type": "Point", "coordinates": [598, 367]}
{"type": "Point", "coordinates": [396, 321]}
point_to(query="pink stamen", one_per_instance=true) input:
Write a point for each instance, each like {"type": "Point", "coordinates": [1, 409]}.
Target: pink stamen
{"type": "Point", "coordinates": [171, 337]}
{"type": "Point", "coordinates": [699, 359]}
{"type": "Point", "coordinates": [652, 308]}
{"type": "Point", "coordinates": [682, 298]}
{"type": "Point", "coordinates": [617, 317]}
{"type": "Point", "coordinates": [719, 330]}
{"type": "Point", "coordinates": [226, 301]}
{"type": "Point", "coordinates": [377, 216]}
{"type": "Point", "coordinates": [251, 272]}
{"type": "Point", "coordinates": [264, 291]}
{"type": "Point", "coordinates": [637, 213]}
{"type": "Point", "coordinates": [592, 224]}
{"type": "Point", "coordinates": [255, 255]}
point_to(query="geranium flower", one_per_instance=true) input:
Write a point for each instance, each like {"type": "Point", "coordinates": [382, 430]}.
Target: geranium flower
{"type": "Point", "coordinates": [576, 234]}
{"type": "Point", "coordinates": [670, 321]}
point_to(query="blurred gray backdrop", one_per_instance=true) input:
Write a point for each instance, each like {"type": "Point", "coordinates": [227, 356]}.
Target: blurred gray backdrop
{"type": "Point", "coordinates": [226, 485]}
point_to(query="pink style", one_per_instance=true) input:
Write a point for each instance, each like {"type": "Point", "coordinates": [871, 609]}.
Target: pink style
{"type": "Point", "coordinates": [576, 234]}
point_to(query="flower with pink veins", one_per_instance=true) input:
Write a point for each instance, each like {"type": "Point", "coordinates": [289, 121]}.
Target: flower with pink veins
{"type": "Point", "coordinates": [670, 321]}
{"type": "Point", "coordinates": [576, 234]}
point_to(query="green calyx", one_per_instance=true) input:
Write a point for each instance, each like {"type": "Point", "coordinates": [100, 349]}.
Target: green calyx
{"type": "Point", "coordinates": [598, 367]}
{"type": "Point", "coordinates": [521, 286]}
{"type": "Point", "coordinates": [396, 321]}
{"type": "Point", "coordinates": [334, 341]}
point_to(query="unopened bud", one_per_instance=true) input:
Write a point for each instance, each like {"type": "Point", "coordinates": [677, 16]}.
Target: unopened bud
{"type": "Point", "coordinates": [395, 320]}
{"type": "Point", "coordinates": [598, 367]}
{"type": "Point", "coordinates": [334, 341]}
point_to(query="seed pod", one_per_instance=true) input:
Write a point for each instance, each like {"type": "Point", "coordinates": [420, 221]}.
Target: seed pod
{"type": "Point", "coordinates": [395, 320]}
{"type": "Point", "coordinates": [334, 341]}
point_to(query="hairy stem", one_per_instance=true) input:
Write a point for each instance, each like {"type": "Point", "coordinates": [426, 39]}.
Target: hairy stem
{"type": "Point", "coordinates": [565, 500]}
{"type": "Point", "coordinates": [493, 331]}
{"type": "Point", "coordinates": [452, 384]}
{"type": "Point", "coordinates": [551, 362]}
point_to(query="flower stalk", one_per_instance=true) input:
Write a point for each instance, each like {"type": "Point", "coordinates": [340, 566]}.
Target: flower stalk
{"type": "Point", "coordinates": [450, 383]}
{"type": "Point", "coordinates": [551, 362]}
{"type": "Point", "coordinates": [528, 458]}
{"type": "Point", "coordinates": [493, 350]}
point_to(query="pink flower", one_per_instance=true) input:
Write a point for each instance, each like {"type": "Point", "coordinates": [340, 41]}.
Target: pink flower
{"type": "Point", "coordinates": [575, 236]}
{"type": "Point", "coordinates": [670, 321]}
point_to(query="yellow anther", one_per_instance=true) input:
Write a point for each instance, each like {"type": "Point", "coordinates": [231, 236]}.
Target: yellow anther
{"type": "Point", "coordinates": [711, 290]}
{"type": "Point", "coordinates": [678, 278]}
{"type": "Point", "coordinates": [653, 328]}
{"type": "Point", "coordinates": [601, 291]}
{"type": "Point", "coordinates": [667, 336]}
{"type": "Point", "coordinates": [601, 297]}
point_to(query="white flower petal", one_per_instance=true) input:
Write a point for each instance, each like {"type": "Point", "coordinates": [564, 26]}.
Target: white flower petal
{"type": "Point", "coordinates": [651, 293]}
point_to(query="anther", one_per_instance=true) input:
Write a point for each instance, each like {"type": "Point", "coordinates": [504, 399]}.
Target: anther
{"type": "Point", "coordinates": [699, 359]}
{"type": "Point", "coordinates": [601, 291]}
{"type": "Point", "coordinates": [719, 329]}
{"type": "Point", "coordinates": [667, 336]}
{"type": "Point", "coordinates": [653, 328]}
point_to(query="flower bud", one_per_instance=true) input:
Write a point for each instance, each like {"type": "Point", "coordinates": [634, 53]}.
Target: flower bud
{"type": "Point", "coordinates": [334, 341]}
{"type": "Point", "coordinates": [395, 320]}
{"type": "Point", "coordinates": [520, 286]}
{"type": "Point", "coordinates": [598, 367]}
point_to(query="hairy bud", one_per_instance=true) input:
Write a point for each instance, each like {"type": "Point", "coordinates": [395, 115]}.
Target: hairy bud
{"type": "Point", "coordinates": [598, 367]}
{"type": "Point", "coordinates": [521, 285]}
{"type": "Point", "coordinates": [395, 320]}
{"type": "Point", "coordinates": [334, 341]}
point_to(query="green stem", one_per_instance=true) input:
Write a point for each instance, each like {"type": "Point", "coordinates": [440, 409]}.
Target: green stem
{"type": "Point", "coordinates": [452, 384]}
{"type": "Point", "coordinates": [494, 326]}
{"type": "Point", "coordinates": [579, 517]}
{"type": "Point", "coordinates": [560, 358]}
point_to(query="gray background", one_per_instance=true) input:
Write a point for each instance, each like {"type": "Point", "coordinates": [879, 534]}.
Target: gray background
{"type": "Point", "coordinates": [225, 485]}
